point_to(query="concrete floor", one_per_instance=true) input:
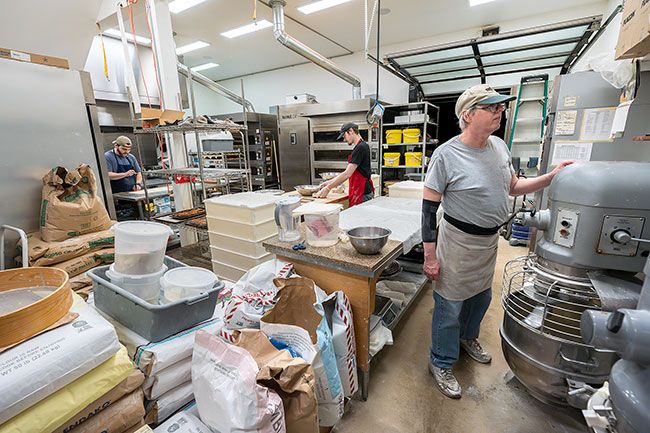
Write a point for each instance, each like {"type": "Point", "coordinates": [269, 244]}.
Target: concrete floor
{"type": "Point", "coordinates": [404, 398]}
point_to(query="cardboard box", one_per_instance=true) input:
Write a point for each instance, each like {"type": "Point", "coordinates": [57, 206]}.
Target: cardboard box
{"type": "Point", "coordinates": [155, 116]}
{"type": "Point", "coordinates": [26, 56]}
{"type": "Point", "coordinates": [634, 36]}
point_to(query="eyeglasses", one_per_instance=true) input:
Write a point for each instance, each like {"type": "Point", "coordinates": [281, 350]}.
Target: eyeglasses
{"type": "Point", "coordinates": [492, 108]}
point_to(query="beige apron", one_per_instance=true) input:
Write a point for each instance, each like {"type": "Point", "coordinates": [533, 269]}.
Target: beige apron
{"type": "Point", "coordinates": [466, 262]}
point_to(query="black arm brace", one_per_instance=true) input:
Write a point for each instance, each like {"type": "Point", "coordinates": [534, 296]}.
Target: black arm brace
{"type": "Point", "coordinates": [429, 220]}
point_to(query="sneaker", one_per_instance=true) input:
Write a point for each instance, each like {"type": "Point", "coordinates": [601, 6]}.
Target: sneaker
{"type": "Point", "coordinates": [475, 351]}
{"type": "Point", "coordinates": [446, 381]}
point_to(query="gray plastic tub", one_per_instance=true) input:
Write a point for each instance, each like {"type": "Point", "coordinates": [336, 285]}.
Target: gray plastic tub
{"type": "Point", "coordinates": [153, 322]}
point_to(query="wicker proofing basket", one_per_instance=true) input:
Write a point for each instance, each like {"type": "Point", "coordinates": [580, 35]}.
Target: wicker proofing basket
{"type": "Point", "coordinates": [25, 322]}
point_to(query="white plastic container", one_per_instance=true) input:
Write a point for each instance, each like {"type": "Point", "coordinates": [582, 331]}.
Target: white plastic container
{"type": "Point", "coordinates": [140, 247]}
{"type": "Point", "coordinates": [257, 232]}
{"type": "Point", "coordinates": [227, 272]}
{"type": "Point", "coordinates": [238, 245]}
{"type": "Point", "coordinates": [322, 222]}
{"type": "Point", "coordinates": [185, 282]}
{"type": "Point", "coordinates": [146, 287]}
{"type": "Point", "coordinates": [406, 189]}
{"type": "Point", "coordinates": [245, 207]}
{"type": "Point", "coordinates": [240, 261]}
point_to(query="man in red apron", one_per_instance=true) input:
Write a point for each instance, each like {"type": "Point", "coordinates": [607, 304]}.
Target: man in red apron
{"type": "Point", "coordinates": [357, 171]}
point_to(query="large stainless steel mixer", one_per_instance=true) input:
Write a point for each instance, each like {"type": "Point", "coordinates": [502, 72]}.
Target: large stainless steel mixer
{"type": "Point", "coordinates": [581, 262]}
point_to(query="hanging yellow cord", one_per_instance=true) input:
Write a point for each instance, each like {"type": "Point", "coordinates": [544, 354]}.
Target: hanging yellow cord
{"type": "Point", "coordinates": [254, 10]}
{"type": "Point", "coordinates": [101, 38]}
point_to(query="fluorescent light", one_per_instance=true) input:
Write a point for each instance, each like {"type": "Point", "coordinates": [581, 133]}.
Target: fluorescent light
{"type": "Point", "coordinates": [248, 28]}
{"type": "Point", "coordinates": [178, 6]}
{"type": "Point", "coordinates": [191, 47]}
{"type": "Point", "coordinates": [478, 2]}
{"type": "Point", "coordinates": [204, 66]}
{"type": "Point", "coordinates": [129, 37]}
{"type": "Point", "coordinates": [320, 5]}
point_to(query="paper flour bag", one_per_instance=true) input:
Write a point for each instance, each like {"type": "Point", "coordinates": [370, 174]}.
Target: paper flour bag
{"type": "Point", "coordinates": [338, 310]}
{"type": "Point", "coordinates": [183, 422]}
{"type": "Point", "coordinates": [254, 294]}
{"type": "Point", "coordinates": [295, 322]}
{"type": "Point", "coordinates": [70, 205]}
{"type": "Point", "coordinates": [226, 390]}
{"type": "Point", "coordinates": [292, 378]}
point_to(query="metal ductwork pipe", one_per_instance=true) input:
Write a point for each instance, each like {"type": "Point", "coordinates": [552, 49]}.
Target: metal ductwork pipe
{"type": "Point", "coordinates": [308, 53]}
{"type": "Point", "coordinates": [216, 87]}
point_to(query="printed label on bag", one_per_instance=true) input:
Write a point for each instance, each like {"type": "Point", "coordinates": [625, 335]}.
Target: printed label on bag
{"type": "Point", "coordinates": [17, 55]}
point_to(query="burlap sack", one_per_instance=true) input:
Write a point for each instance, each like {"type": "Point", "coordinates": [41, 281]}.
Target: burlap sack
{"type": "Point", "coordinates": [79, 265]}
{"type": "Point", "coordinates": [42, 253]}
{"type": "Point", "coordinates": [70, 205]}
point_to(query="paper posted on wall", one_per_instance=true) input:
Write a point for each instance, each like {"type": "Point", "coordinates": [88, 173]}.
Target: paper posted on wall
{"type": "Point", "coordinates": [571, 150]}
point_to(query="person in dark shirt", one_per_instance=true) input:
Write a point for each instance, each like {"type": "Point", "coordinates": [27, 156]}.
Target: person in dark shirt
{"type": "Point", "coordinates": [357, 171]}
{"type": "Point", "coordinates": [123, 169]}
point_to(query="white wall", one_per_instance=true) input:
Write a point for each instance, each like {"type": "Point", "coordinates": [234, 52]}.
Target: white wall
{"type": "Point", "coordinates": [270, 88]}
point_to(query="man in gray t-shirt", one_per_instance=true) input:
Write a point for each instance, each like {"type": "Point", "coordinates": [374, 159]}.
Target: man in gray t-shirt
{"type": "Point", "coordinates": [472, 176]}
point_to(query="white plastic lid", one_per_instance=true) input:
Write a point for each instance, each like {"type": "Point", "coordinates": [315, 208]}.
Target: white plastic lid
{"type": "Point", "coordinates": [316, 208]}
{"type": "Point", "coordinates": [248, 200]}
{"type": "Point", "coordinates": [142, 228]}
{"type": "Point", "coordinates": [134, 279]}
{"type": "Point", "coordinates": [189, 277]}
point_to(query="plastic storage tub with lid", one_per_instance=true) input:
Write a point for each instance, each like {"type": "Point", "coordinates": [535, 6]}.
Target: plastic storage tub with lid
{"type": "Point", "coordinates": [393, 136]}
{"type": "Point", "coordinates": [413, 159]}
{"type": "Point", "coordinates": [411, 135]}
{"type": "Point", "coordinates": [144, 286]}
{"type": "Point", "coordinates": [322, 223]}
{"type": "Point", "coordinates": [185, 282]}
{"type": "Point", "coordinates": [140, 247]}
{"type": "Point", "coordinates": [392, 158]}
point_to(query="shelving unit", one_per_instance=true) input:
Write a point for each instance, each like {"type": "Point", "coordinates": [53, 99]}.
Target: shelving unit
{"type": "Point", "coordinates": [263, 157]}
{"type": "Point", "coordinates": [428, 126]}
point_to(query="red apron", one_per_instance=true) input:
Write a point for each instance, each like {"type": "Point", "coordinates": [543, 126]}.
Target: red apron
{"type": "Point", "coordinates": [357, 187]}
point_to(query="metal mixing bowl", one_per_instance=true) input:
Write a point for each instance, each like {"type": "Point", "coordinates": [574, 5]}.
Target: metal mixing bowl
{"type": "Point", "coordinates": [306, 190]}
{"type": "Point", "coordinates": [368, 240]}
{"type": "Point", "coordinates": [329, 175]}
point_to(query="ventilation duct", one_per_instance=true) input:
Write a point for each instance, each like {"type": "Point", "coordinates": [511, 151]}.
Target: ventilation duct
{"type": "Point", "coordinates": [308, 53]}
{"type": "Point", "coordinates": [216, 87]}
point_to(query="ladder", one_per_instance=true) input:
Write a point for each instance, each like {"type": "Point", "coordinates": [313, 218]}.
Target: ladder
{"type": "Point", "coordinates": [528, 134]}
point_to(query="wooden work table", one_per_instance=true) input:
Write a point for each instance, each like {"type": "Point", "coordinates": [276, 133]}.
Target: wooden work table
{"type": "Point", "coordinates": [332, 197]}
{"type": "Point", "coordinates": [341, 267]}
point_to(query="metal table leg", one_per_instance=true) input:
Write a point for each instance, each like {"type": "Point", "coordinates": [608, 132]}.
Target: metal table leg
{"type": "Point", "coordinates": [140, 210]}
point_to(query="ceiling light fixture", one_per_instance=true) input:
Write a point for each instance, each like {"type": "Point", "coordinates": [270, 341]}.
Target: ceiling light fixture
{"type": "Point", "coordinates": [473, 3]}
{"type": "Point", "coordinates": [248, 28]}
{"type": "Point", "coordinates": [191, 47]}
{"type": "Point", "coordinates": [320, 5]}
{"type": "Point", "coordinates": [115, 33]}
{"type": "Point", "coordinates": [204, 66]}
{"type": "Point", "coordinates": [178, 6]}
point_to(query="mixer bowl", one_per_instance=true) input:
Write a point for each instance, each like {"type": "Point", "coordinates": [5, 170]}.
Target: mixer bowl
{"type": "Point", "coordinates": [368, 240]}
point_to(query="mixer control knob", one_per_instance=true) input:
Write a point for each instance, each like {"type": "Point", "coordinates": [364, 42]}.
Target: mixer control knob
{"type": "Point", "coordinates": [615, 321]}
{"type": "Point", "coordinates": [621, 236]}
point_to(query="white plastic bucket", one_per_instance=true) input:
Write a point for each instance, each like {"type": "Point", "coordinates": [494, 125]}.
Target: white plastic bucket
{"type": "Point", "coordinates": [146, 287]}
{"type": "Point", "coordinates": [140, 247]}
{"type": "Point", "coordinates": [186, 282]}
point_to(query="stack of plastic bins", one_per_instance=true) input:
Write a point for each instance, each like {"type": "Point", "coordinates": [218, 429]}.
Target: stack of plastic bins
{"type": "Point", "coordinates": [238, 224]}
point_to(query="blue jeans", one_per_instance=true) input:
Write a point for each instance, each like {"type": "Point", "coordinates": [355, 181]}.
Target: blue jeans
{"type": "Point", "coordinates": [367, 197]}
{"type": "Point", "coordinates": [453, 320]}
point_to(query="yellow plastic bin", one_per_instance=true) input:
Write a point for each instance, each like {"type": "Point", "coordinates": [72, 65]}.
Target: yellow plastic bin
{"type": "Point", "coordinates": [392, 158]}
{"type": "Point", "coordinates": [413, 159]}
{"type": "Point", "coordinates": [393, 136]}
{"type": "Point", "coordinates": [411, 135]}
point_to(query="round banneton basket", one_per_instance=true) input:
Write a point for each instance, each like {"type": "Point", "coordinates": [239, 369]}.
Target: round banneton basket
{"type": "Point", "coordinates": [31, 300]}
